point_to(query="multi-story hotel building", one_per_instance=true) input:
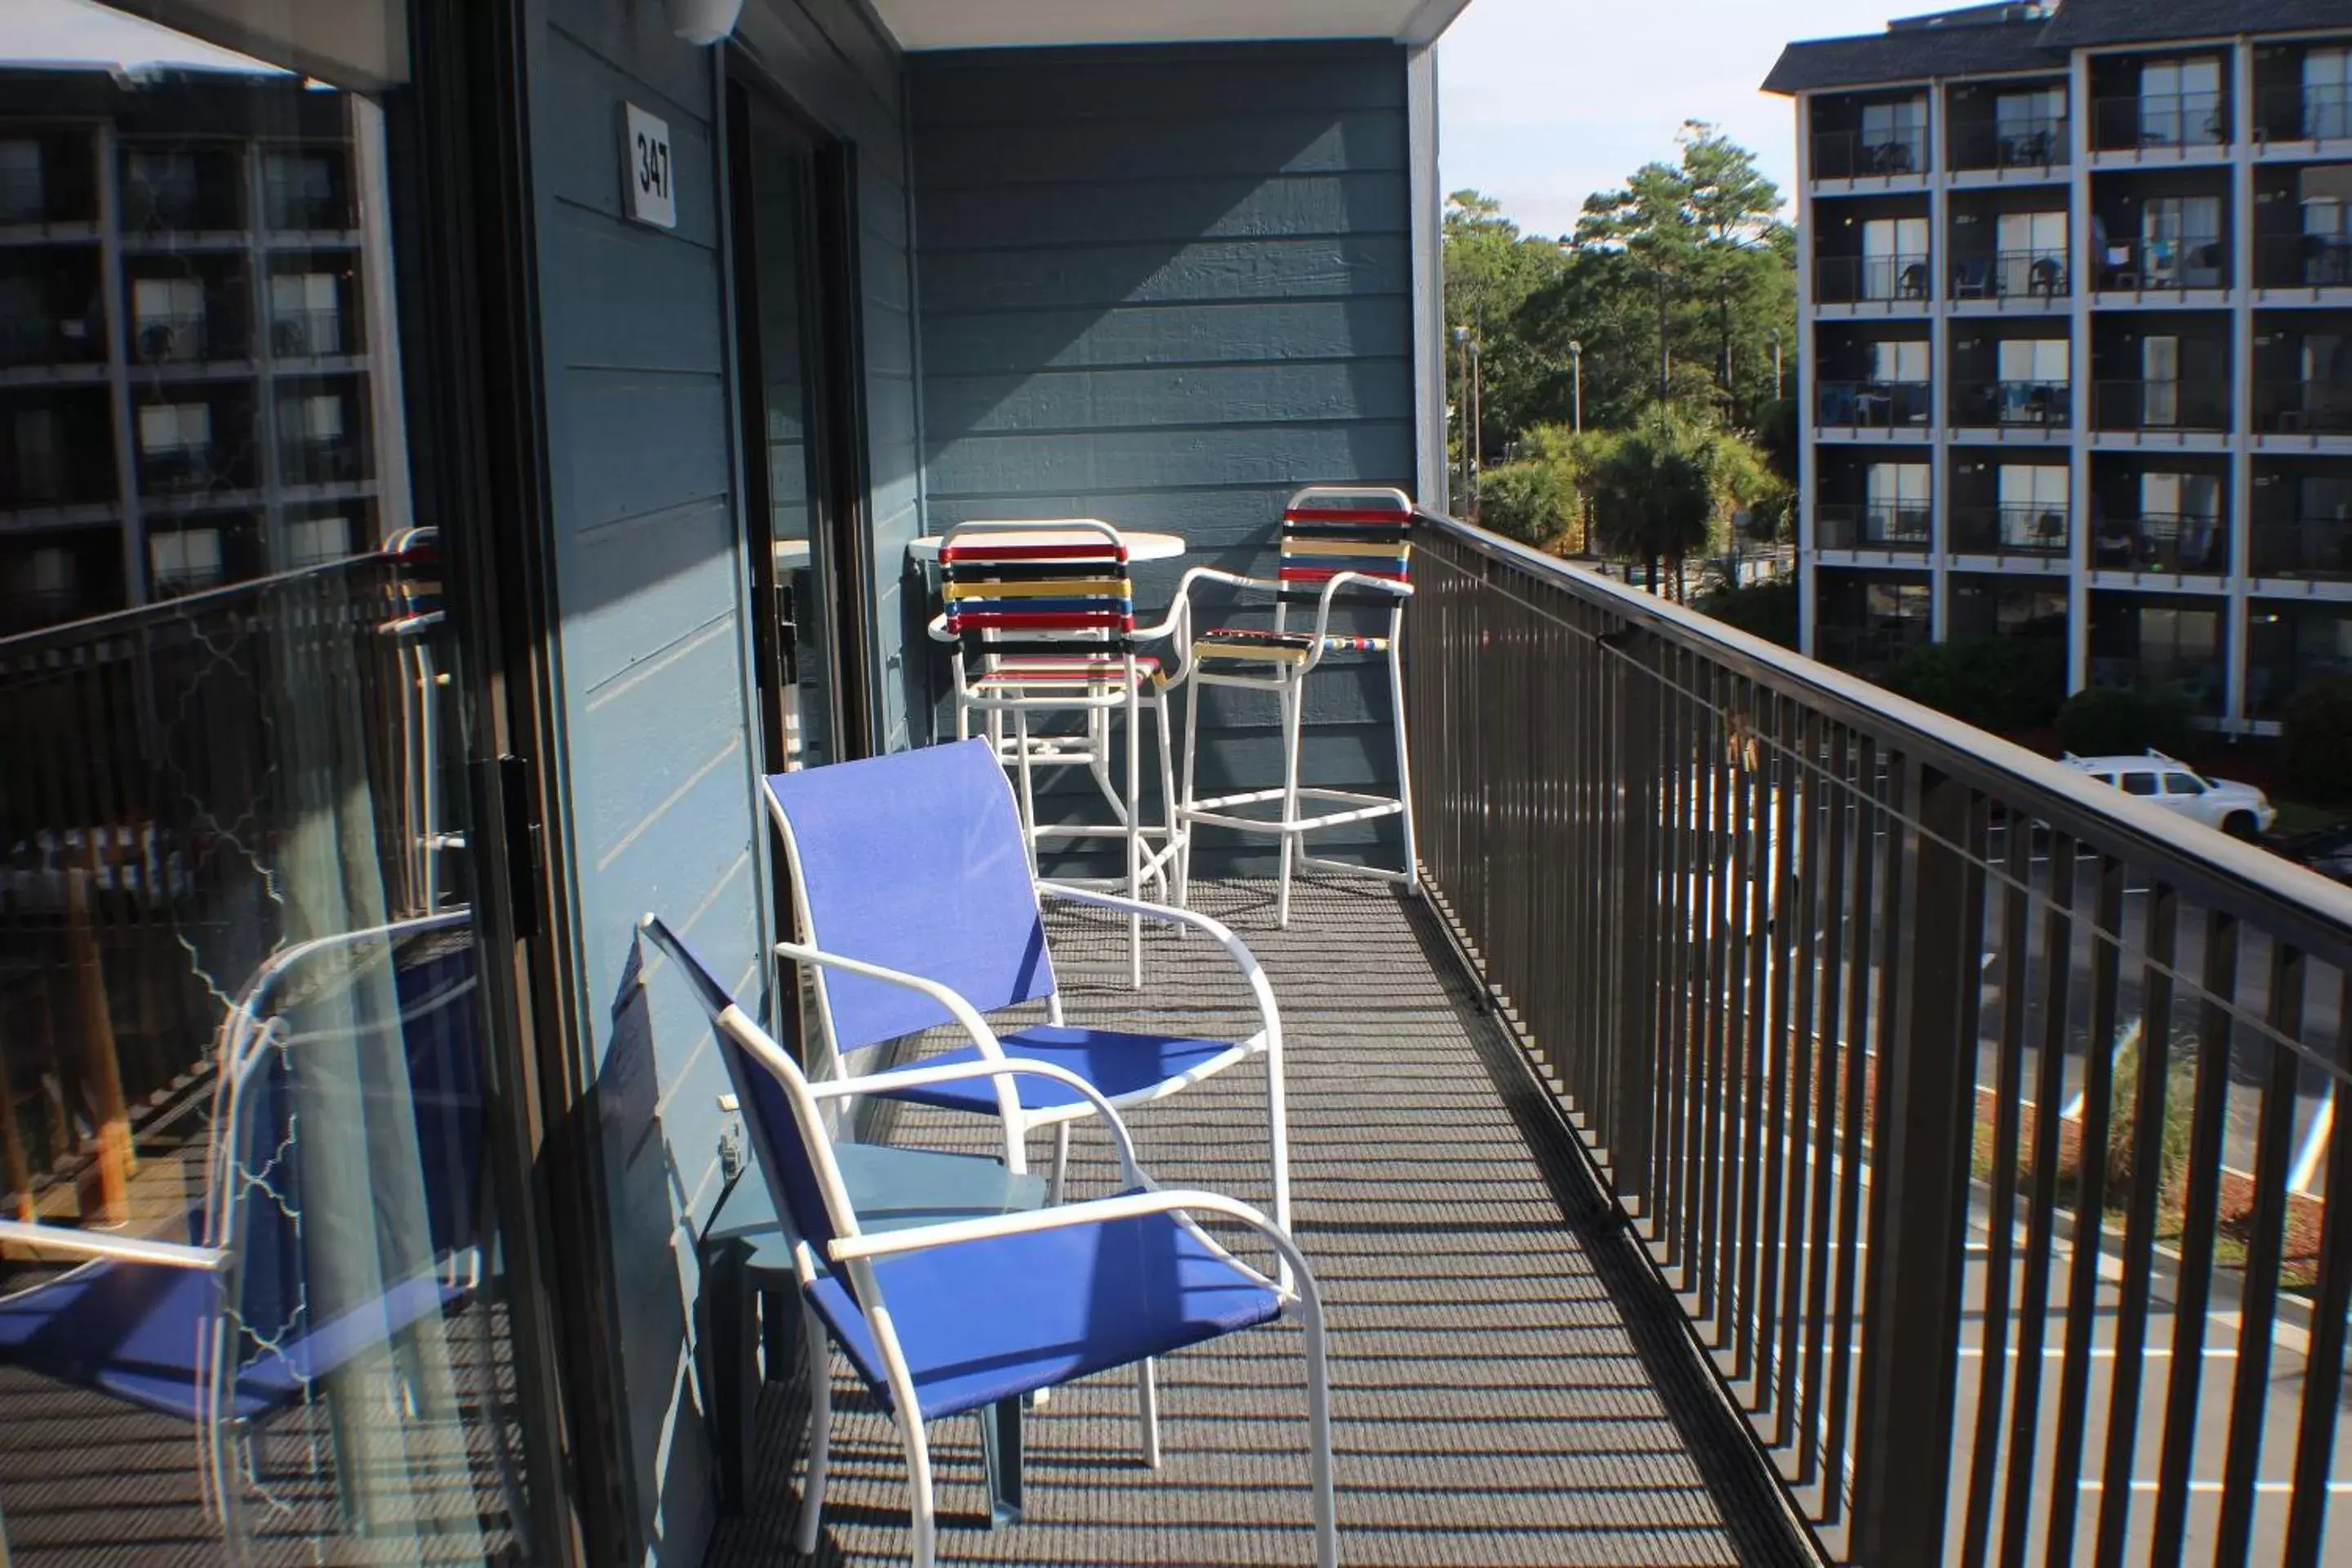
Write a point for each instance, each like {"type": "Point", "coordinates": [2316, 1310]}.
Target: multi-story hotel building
{"type": "Point", "coordinates": [2076, 309]}
{"type": "Point", "coordinates": [188, 390]}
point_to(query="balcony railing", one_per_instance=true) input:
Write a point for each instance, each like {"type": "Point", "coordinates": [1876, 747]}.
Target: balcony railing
{"type": "Point", "coordinates": [2012, 275]}
{"type": "Point", "coordinates": [2040, 143]}
{"type": "Point", "coordinates": [32, 340]}
{"type": "Point", "coordinates": [1961, 1098]}
{"type": "Point", "coordinates": [137, 836]}
{"type": "Point", "coordinates": [180, 470]}
{"type": "Point", "coordinates": [2302, 261]}
{"type": "Point", "coordinates": [2027, 530]}
{"type": "Point", "coordinates": [1872, 527]}
{"type": "Point", "coordinates": [179, 338]}
{"type": "Point", "coordinates": [2161, 405]}
{"type": "Point", "coordinates": [1852, 279]}
{"type": "Point", "coordinates": [1875, 405]}
{"type": "Point", "coordinates": [2314, 547]}
{"type": "Point", "coordinates": [23, 196]}
{"type": "Point", "coordinates": [2161, 120]}
{"type": "Point", "coordinates": [1850, 155]}
{"type": "Point", "coordinates": [2306, 113]}
{"type": "Point", "coordinates": [2162, 541]}
{"type": "Point", "coordinates": [2302, 407]}
{"type": "Point", "coordinates": [299, 334]}
{"type": "Point", "coordinates": [321, 462]}
{"type": "Point", "coordinates": [2164, 266]}
{"type": "Point", "coordinates": [2036, 405]}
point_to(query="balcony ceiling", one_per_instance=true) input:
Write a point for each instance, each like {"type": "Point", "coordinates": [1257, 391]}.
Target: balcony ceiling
{"type": "Point", "coordinates": [1013, 24]}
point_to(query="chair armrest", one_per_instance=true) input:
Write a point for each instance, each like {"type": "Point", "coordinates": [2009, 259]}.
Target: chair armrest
{"type": "Point", "coordinates": [1269, 1015]}
{"type": "Point", "coordinates": [967, 1017]}
{"type": "Point", "coordinates": [114, 1249]}
{"type": "Point", "coordinates": [1179, 1200]}
{"type": "Point", "coordinates": [937, 627]}
{"type": "Point", "coordinates": [1331, 586]}
{"type": "Point", "coordinates": [899, 1078]}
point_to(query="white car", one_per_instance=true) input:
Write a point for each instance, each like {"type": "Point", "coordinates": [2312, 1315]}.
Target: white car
{"type": "Point", "coordinates": [2240, 810]}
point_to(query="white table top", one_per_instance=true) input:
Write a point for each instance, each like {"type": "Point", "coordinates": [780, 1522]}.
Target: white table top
{"type": "Point", "coordinates": [1140, 546]}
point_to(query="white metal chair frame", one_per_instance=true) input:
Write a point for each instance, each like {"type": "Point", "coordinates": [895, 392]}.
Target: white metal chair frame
{"type": "Point", "coordinates": [1019, 1122]}
{"type": "Point", "coordinates": [1288, 682]}
{"type": "Point", "coordinates": [1124, 689]}
{"type": "Point", "coordinates": [855, 1252]}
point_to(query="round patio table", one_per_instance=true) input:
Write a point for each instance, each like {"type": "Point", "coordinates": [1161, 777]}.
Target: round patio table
{"type": "Point", "coordinates": [1140, 546]}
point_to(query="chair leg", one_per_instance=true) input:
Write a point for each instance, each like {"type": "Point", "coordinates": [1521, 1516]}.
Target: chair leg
{"type": "Point", "coordinates": [819, 1372]}
{"type": "Point", "coordinates": [1134, 816]}
{"type": "Point", "coordinates": [922, 1509]}
{"type": "Point", "coordinates": [1146, 1410]}
{"type": "Point", "coordinates": [1318, 1437]}
{"type": "Point", "coordinates": [1191, 751]}
{"type": "Point", "coordinates": [1293, 701]}
{"type": "Point", "coordinates": [1028, 787]}
{"type": "Point", "coordinates": [1054, 1187]}
{"type": "Point", "coordinates": [1167, 790]}
{"type": "Point", "coordinates": [1403, 761]}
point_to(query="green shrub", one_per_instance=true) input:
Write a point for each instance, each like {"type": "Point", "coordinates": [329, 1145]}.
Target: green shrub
{"type": "Point", "coordinates": [2005, 684]}
{"type": "Point", "coordinates": [2317, 741]}
{"type": "Point", "coordinates": [1533, 502]}
{"type": "Point", "coordinates": [2123, 1123]}
{"type": "Point", "coordinates": [1767, 609]}
{"type": "Point", "coordinates": [2113, 722]}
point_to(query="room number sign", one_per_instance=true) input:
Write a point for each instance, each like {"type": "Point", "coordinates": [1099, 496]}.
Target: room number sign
{"type": "Point", "coordinates": [647, 179]}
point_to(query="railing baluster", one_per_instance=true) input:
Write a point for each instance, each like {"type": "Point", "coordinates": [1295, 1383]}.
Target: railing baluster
{"type": "Point", "coordinates": [1836, 912]}
{"type": "Point", "coordinates": [1868, 924]}
{"type": "Point", "coordinates": [2331, 1295]}
{"type": "Point", "coordinates": [1803, 914]}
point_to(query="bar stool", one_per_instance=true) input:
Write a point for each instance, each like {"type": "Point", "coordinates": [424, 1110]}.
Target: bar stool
{"type": "Point", "coordinates": [1044, 615]}
{"type": "Point", "coordinates": [1335, 539]}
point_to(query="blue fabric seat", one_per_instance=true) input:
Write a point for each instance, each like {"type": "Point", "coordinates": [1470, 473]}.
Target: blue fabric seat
{"type": "Point", "coordinates": [1121, 1066]}
{"type": "Point", "coordinates": [1061, 1304]}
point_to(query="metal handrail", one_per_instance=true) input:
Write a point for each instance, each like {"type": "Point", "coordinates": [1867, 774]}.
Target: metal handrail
{"type": "Point", "coordinates": [2241, 879]}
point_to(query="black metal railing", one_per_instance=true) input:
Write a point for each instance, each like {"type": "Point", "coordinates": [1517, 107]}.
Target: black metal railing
{"type": "Point", "coordinates": [299, 334]}
{"type": "Point", "coordinates": [177, 337]}
{"type": "Point", "coordinates": [2155, 407]}
{"type": "Point", "coordinates": [1873, 405]}
{"type": "Point", "coordinates": [2301, 407]}
{"type": "Point", "coordinates": [1964, 1102]}
{"type": "Point", "coordinates": [2048, 405]}
{"type": "Point", "coordinates": [2187, 545]}
{"type": "Point", "coordinates": [1856, 279]}
{"type": "Point", "coordinates": [160, 761]}
{"type": "Point", "coordinates": [2319, 547]}
{"type": "Point", "coordinates": [1850, 155]}
{"type": "Point", "coordinates": [2013, 530]}
{"type": "Point", "coordinates": [2302, 261]}
{"type": "Point", "coordinates": [1890, 526]}
{"type": "Point", "coordinates": [2163, 266]}
{"type": "Point", "coordinates": [2012, 275]}
{"type": "Point", "coordinates": [2161, 120]}
{"type": "Point", "coordinates": [2043, 142]}
{"type": "Point", "coordinates": [2304, 113]}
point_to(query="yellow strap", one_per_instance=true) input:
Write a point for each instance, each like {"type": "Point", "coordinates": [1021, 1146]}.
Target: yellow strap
{"type": "Point", "coordinates": [1207, 650]}
{"type": "Point", "coordinates": [1396, 550]}
{"type": "Point", "coordinates": [1064, 588]}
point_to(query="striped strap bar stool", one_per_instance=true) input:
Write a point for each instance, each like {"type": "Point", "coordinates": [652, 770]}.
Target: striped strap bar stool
{"type": "Point", "coordinates": [1043, 618]}
{"type": "Point", "coordinates": [1336, 540]}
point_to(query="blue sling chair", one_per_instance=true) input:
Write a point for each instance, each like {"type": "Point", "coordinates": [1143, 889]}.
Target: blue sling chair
{"type": "Point", "coordinates": [943, 1318]}
{"type": "Point", "coordinates": [236, 1327]}
{"type": "Point", "coordinates": [917, 909]}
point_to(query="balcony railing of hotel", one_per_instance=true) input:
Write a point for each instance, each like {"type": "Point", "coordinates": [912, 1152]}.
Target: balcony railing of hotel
{"type": "Point", "coordinates": [32, 339]}
{"type": "Point", "coordinates": [136, 837]}
{"type": "Point", "coordinates": [2164, 266]}
{"type": "Point", "coordinates": [1850, 155]}
{"type": "Point", "coordinates": [182, 470]}
{"type": "Point", "coordinates": [1872, 527]}
{"type": "Point", "coordinates": [2012, 275]}
{"type": "Point", "coordinates": [2161, 541]}
{"type": "Point", "coordinates": [2302, 261]}
{"type": "Point", "coordinates": [2048, 405]}
{"type": "Point", "coordinates": [2043, 142]}
{"type": "Point", "coordinates": [2028, 530]}
{"type": "Point", "coordinates": [2302, 407]}
{"type": "Point", "coordinates": [182, 337]}
{"type": "Point", "coordinates": [1851, 280]}
{"type": "Point", "coordinates": [2160, 406]}
{"type": "Point", "coordinates": [2314, 547]}
{"type": "Point", "coordinates": [1837, 991]}
{"type": "Point", "coordinates": [2159, 120]}
{"type": "Point", "coordinates": [23, 196]}
{"type": "Point", "coordinates": [1873, 405]}
{"type": "Point", "coordinates": [2311, 112]}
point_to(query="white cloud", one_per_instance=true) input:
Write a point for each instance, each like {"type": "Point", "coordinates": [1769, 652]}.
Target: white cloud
{"type": "Point", "coordinates": [1544, 102]}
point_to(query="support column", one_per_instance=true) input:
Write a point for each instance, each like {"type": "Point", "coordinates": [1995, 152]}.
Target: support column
{"type": "Point", "coordinates": [1939, 371]}
{"type": "Point", "coordinates": [1808, 454]}
{"type": "Point", "coordinates": [2236, 618]}
{"type": "Point", "coordinates": [2082, 378]}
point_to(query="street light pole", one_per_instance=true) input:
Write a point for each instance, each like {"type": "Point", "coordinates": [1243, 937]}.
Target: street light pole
{"type": "Point", "coordinates": [1477, 428]}
{"type": "Point", "coordinates": [1576, 354]}
{"type": "Point", "coordinates": [1776, 364]}
{"type": "Point", "coordinates": [1462, 410]}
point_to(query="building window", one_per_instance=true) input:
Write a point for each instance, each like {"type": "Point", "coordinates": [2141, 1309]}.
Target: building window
{"type": "Point", "coordinates": [306, 313]}
{"type": "Point", "coordinates": [2034, 375]}
{"type": "Point", "coordinates": [185, 560]}
{"type": "Point", "coordinates": [1894, 135]}
{"type": "Point", "coordinates": [1899, 496]}
{"type": "Point", "coordinates": [1898, 361]}
{"type": "Point", "coordinates": [22, 196]}
{"type": "Point", "coordinates": [166, 428]}
{"type": "Point", "coordinates": [2031, 257]}
{"type": "Point", "coordinates": [2028, 125]}
{"type": "Point", "coordinates": [301, 187]}
{"type": "Point", "coordinates": [316, 419]}
{"type": "Point", "coordinates": [169, 318]}
{"type": "Point", "coordinates": [2180, 101]}
{"type": "Point", "coordinates": [40, 456]}
{"type": "Point", "coordinates": [2033, 506]}
{"type": "Point", "coordinates": [1895, 258]}
{"type": "Point", "coordinates": [2180, 242]}
{"type": "Point", "coordinates": [165, 191]}
{"type": "Point", "coordinates": [2327, 94]}
{"type": "Point", "coordinates": [315, 541]}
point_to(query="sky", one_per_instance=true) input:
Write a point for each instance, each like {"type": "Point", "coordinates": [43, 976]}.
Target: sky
{"type": "Point", "coordinates": [47, 30]}
{"type": "Point", "coordinates": [1543, 101]}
